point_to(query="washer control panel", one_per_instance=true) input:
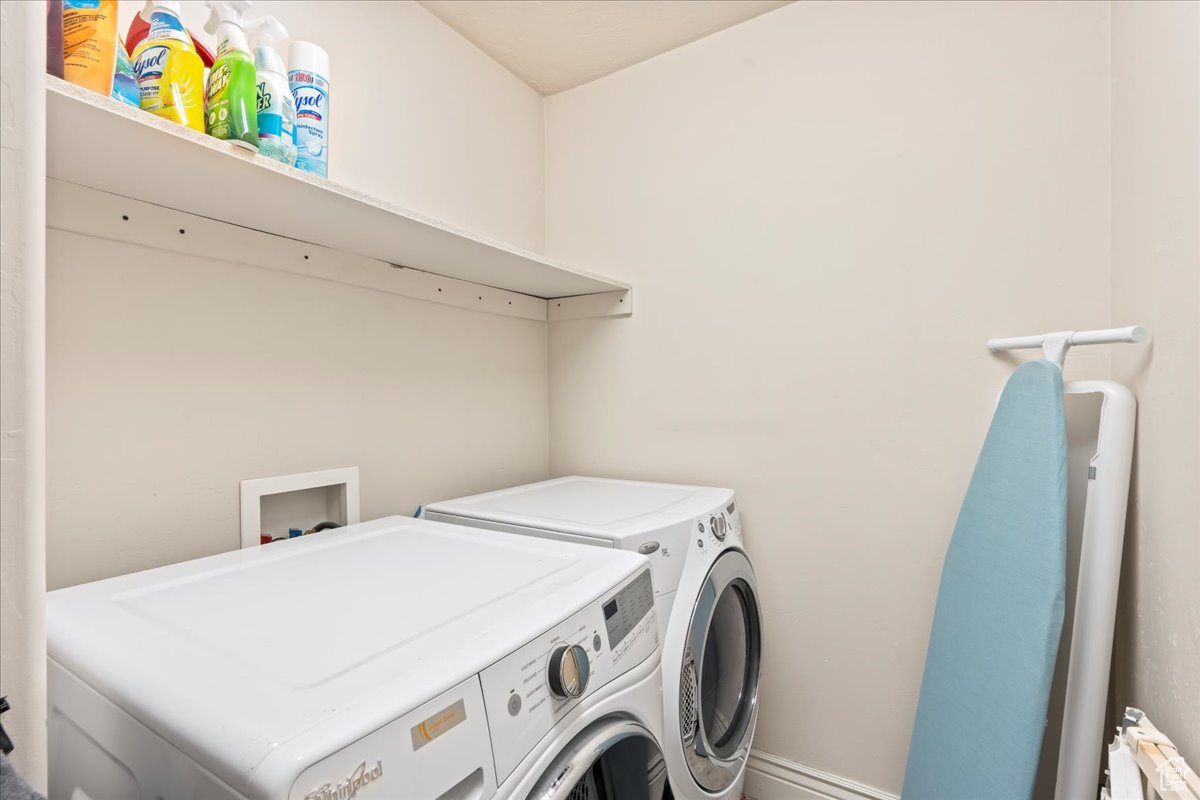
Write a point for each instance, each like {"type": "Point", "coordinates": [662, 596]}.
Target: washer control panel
{"type": "Point", "coordinates": [529, 691]}
{"type": "Point", "coordinates": [721, 525]}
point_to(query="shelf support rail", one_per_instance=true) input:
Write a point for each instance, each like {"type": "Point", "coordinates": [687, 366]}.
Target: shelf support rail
{"type": "Point", "coordinates": [1055, 345]}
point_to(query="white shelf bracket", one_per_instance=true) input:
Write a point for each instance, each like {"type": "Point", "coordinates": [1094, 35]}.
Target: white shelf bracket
{"type": "Point", "coordinates": [588, 306]}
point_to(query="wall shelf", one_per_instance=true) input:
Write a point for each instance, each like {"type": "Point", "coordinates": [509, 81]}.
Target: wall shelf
{"type": "Point", "coordinates": [313, 209]}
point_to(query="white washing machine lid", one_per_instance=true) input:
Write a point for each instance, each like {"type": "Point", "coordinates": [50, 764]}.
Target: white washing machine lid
{"type": "Point", "coordinates": [295, 649]}
{"type": "Point", "coordinates": [600, 507]}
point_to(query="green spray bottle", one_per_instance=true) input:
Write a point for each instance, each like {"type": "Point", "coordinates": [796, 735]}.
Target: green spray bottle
{"type": "Point", "coordinates": [231, 100]}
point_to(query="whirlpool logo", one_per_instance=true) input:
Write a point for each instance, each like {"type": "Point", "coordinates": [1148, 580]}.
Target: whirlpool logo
{"type": "Point", "coordinates": [361, 778]}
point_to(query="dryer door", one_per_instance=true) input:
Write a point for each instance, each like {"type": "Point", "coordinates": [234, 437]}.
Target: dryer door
{"type": "Point", "coordinates": [718, 681]}
{"type": "Point", "coordinates": [606, 761]}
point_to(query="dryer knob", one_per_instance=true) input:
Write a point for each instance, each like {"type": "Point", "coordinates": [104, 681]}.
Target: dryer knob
{"type": "Point", "coordinates": [719, 531]}
{"type": "Point", "coordinates": [569, 671]}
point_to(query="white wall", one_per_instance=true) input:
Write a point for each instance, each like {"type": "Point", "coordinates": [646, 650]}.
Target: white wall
{"type": "Point", "coordinates": [172, 378]}
{"type": "Point", "coordinates": [1156, 281]}
{"type": "Point", "coordinates": [419, 116]}
{"type": "Point", "coordinates": [825, 212]}
{"type": "Point", "coordinates": [22, 385]}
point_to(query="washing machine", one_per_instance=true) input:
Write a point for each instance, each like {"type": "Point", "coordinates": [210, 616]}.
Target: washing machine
{"type": "Point", "coordinates": [397, 659]}
{"type": "Point", "coordinates": [706, 598]}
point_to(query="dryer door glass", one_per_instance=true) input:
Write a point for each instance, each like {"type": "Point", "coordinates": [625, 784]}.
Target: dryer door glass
{"type": "Point", "coordinates": [720, 673]}
{"type": "Point", "coordinates": [613, 759]}
{"type": "Point", "coordinates": [726, 677]}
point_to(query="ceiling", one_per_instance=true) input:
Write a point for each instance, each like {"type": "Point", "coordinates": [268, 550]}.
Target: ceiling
{"type": "Point", "coordinates": [558, 44]}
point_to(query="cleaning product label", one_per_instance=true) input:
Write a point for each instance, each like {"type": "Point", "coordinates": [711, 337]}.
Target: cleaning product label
{"type": "Point", "coordinates": [148, 69]}
{"type": "Point", "coordinates": [276, 111]}
{"type": "Point", "coordinates": [125, 86]}
{"type": "Point", "coordinates": [232, 108]}
{"type": "Point", "coordinates": [276, 118]}
{"type": "Point", "coordinates": [270, 120]}
{"type": "Point", "coordinates": [311, 92]}
{"type": "Point", "coordinates": [270, 113]}
{"type": "Point", "coordinates": [91, 47]}
{"type": "Point", "coordinates": [165, 25]}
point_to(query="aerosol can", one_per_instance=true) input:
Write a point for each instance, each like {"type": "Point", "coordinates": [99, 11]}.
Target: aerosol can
{"type": "Point", "coordinates": [308, 76]}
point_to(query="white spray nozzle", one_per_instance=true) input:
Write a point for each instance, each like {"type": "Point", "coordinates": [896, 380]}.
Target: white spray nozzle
{"type": "Point", "coordinates": [222, 11]}
{"type": "Point", "coordinates": [148, 9]}
{"type": "Point", "coordinates": [265, 31]}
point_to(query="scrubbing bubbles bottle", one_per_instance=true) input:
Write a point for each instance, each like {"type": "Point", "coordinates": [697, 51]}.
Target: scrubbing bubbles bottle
{"type": "Point", "coordinates": [232, 108]}
{"type": "Point", "coordinates": [169, 74]}
{"type": "Point", "coordinates": [276, 108]}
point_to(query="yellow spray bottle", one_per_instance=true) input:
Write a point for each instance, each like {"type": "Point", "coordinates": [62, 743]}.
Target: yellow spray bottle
{"type": "Point", "coordinates": [169, 73]}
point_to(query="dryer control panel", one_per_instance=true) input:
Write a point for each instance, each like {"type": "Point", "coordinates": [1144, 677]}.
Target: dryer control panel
{"type": "Point", "coordinates": [721, 526]}
{"type": "Point", "coordinates": [529, 691]}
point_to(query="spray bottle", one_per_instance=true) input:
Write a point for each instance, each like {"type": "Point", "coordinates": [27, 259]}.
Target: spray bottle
{"type": "Point", "coordinates": [276, 108]}
{"type": "Point", "coordinates": [139, 27]}
{"type": "Point", "coordinates": [169, 74]}
{"type": "Point", "coordinates": [232, 90]}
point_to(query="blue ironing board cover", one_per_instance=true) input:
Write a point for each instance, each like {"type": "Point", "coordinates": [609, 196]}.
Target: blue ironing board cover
{"type": "Point", "coordinates": [982, 708]}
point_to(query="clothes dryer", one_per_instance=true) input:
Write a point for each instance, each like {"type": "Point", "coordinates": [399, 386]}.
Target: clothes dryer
{"type": "Point", "coordinates": [706, 598]}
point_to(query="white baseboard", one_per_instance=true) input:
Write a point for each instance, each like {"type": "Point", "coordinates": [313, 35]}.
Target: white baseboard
{"type": "Point", "coordinates": [770, 777]}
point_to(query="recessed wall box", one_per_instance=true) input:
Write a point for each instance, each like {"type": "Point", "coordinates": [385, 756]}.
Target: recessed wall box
{"type": "Point", "coordinates": [274, 505]}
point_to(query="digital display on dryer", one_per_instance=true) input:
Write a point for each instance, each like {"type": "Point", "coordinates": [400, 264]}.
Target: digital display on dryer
{"type": "Point", "coordinates": [623, 612]}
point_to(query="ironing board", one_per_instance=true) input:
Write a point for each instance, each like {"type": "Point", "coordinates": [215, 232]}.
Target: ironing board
{"type": "Point", "coordinates": [999, 612]}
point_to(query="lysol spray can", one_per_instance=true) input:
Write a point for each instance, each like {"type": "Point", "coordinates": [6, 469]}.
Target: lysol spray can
{"type": "Point", "coordinates": [308, 78]}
